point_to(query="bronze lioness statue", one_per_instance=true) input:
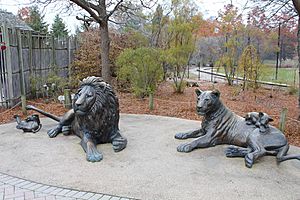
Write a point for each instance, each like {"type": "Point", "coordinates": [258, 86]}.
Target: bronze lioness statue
{"type": "Point", "coordinates": [222, 126]}
{"type": "Point", "coordinates": [94, 118]}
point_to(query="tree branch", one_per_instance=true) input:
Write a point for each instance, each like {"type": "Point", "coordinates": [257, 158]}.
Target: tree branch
{"type": "Point", "coordinates": [93, 6]}
{"type": "Point", "coordinates": [87, 7]}
{"type": "Point", "coordinates": [145, 6]}
{"type": "Point", "coordinates": [118, 23]}
{"type": "Point", "coordinates": [278, 9]}
{"type": "Point", "coordinates": [114, 9]}
{"type": "Point", "coordinates": [86, 21]}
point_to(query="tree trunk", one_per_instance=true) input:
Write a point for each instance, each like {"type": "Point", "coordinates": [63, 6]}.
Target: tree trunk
{"type": "Point", "coordinates": [297, 7]}
{"type": "Point", "coordinates": [105, 43]}
{"type": "Point", "coordinates": [298, 51]}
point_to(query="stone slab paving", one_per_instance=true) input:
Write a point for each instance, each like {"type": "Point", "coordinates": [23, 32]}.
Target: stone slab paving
{"type": "Point", "coordinates": [13, 188]}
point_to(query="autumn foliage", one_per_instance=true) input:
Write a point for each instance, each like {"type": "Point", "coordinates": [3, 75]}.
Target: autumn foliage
{"type": "Point", "coordinates": [88, 59]}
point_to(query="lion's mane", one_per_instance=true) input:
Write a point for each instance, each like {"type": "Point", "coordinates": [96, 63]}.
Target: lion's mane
{"type": "Point", "coordinates": [103, 118]}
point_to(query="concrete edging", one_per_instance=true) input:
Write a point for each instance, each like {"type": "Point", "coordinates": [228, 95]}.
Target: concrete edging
{"type": "Point", "coordinates": [12, 187]}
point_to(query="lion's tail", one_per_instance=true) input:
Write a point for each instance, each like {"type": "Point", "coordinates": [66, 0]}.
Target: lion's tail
{"type": "Point", "coordinates": [281, 156]}
{"type": "Point", "coordinates": [30, 107]}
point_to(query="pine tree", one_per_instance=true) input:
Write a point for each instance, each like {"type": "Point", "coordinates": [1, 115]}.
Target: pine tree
{"type": "Point", "coordinates": [36, 20]}
{"type": "Point", "coordinates": [58, 28]}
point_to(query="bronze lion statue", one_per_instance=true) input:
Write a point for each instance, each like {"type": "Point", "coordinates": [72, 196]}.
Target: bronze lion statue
{"type": "Point", "coordinates": [222, 126]}
{"type": "Point", "coordinates": [94, 118]}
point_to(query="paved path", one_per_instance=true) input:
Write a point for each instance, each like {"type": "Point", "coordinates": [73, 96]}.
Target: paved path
{"type": "Point", "coordinates": [13, 188]}
{"type": "Point", "coordinates": [149, 168]}
{"type": "Point", "coordinates": [221, 78]}
{"type": "Point", "coordinates": [206, 76]}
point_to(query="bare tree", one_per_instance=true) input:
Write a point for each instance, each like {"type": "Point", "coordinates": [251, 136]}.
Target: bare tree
{"type": "Point", "coordinates": [101, 12]}
{"type": "Point", "coordinates": [286, 7]}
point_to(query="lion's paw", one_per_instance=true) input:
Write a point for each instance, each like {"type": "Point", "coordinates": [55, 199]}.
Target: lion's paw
{"type": "Point", "coordinates": [181, 136]}
{"type": "Point", "coordinates": [94, 156]}
{"type": "Point", "coordinates": [119, 144]}
{"type": "Point", "coordinates": [53, 132]}
{"type": "Point", "coordinates": [249, 160]}
{"type": "Point", "coordinates": [234, 151]}
{"type": "Point", "coordinates": [185, 148]}
{"type": "Point", "coordinates": [231, 151]}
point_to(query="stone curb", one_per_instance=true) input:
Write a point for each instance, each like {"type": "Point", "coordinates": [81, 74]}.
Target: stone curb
{"type": "Point", "coordinates": [14, 188]}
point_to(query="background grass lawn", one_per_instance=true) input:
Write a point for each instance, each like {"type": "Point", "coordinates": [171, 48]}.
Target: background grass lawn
{"type": "Point", "coordinates": [287, 74]}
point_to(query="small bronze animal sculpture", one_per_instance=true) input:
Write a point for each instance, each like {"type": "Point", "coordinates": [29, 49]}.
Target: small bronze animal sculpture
{"type": "Point", "coordinates": [94, 118]}
{"type": "Point", "coordinates": [222, 126]}
{"type": "Point", "coordinates": [30, 124]}
{"type": "Point", "coordinates": [259, 119]}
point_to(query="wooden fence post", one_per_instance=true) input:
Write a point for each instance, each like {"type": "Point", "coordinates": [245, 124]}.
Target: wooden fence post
{"type": "Point", "coordinates": [68, 100]}
{"type": "Point", "coordinates": [282, 119]}
{"type": "Point", "coordinates": [151, 106]}
{"type": "Point", "coordinates": [30, 62]}
{"type": "Point", "coordinates": [69, 59]}
{"type": "Point", "coordinates": [30, 52]}
{"type": "Point", "coordinates": [22, 79]}
{"type": "Point", "coordinates": [2, 73]}
{"type": "Point", "coordinates": [39, 65]}
{"type": "Point", "coordinates": [53, 62]}
{"type": "Point", "coordinates": [8, 66]}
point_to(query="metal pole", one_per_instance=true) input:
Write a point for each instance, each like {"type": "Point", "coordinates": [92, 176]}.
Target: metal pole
{"type": "Point", "coordinates": [212, 71]}
{"type": "Point", "coordinates": [277, 53]}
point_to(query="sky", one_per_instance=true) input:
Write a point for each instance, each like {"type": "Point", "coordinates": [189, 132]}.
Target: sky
{"type": "Point", "coordinates": [207, 7]}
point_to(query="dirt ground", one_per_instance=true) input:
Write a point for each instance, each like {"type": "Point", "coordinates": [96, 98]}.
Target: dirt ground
{"type": "Point", "coordinates": [167, 103]}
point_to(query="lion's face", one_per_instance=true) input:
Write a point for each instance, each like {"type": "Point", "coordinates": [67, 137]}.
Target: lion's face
{"type": "Point", "coordinates": [207, 101]}
{"type": "Point", "coordinates": [84, 100]}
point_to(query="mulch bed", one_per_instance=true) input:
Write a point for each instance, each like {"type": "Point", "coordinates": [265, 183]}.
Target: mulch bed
{"type": "Point", "coordinates": [168, 103]}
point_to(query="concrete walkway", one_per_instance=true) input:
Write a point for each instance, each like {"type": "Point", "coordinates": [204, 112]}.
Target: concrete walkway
{"type": "Point", "coordinates": [149, 168]}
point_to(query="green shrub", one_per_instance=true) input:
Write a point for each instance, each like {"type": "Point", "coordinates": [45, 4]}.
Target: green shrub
{"type": "Point", "coordinates": [179, 86]}
{"type": "Point", "coordinates": [142, 67]}
{"type": "Point", "coordinates": [251, 67]}
{"type": "Point", "coordinates": [56, 84]}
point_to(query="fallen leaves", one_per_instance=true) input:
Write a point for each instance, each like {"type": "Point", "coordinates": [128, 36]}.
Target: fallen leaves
{"type": "Point", "coordinates": [168, 103]}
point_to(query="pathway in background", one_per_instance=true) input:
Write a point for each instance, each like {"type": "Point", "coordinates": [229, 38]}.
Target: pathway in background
{"type": "Point", "coordinates": [205, 76]}
{"type": "Point", "coordinates": [210, 74]}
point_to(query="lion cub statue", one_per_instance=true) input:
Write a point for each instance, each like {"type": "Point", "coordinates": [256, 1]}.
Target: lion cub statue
{"type": "Point", "coordinates": [260, 120]}
{"type": "Point", "coordinates": [94, 118]}
{"type": "Point", "coordinates": [222, 126]}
